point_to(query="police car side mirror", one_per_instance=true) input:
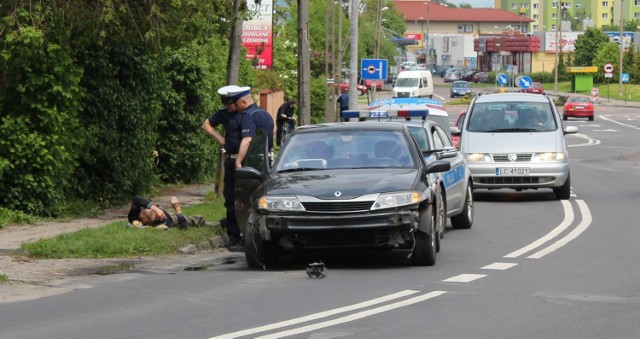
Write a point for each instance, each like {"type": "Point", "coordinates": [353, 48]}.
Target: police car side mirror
{"type": "Point", "coordinates": [455, 130]}
{"type": "Point", "coordinates": [438, 166]}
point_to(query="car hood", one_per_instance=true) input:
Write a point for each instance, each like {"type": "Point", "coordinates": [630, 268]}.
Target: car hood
{"type": "Point", "coordinates": [511, 142]}
{"type": "Point", "coordinates": [351, 184]}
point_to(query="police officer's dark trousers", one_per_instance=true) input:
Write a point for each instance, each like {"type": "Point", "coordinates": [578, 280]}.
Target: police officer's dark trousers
{"type": "Point", "coordinates": [233, 231]}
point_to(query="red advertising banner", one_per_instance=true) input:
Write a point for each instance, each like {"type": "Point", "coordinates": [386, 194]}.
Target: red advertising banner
{"type": "Point", "coordinates": [257, 34]}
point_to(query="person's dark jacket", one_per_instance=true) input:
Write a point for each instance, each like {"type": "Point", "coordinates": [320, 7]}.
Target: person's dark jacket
{"type": "Point", "coordinates": [172, 220]}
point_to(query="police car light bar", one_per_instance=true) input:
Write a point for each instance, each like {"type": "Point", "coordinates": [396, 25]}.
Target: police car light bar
{"type": "Point", "coordinates": [378, 114]}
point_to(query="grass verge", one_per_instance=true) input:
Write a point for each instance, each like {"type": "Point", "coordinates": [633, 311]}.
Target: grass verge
{"type": "Point", "coordinates": [3, 278]}
{"type": "Point", "coordinates": [116, 240]}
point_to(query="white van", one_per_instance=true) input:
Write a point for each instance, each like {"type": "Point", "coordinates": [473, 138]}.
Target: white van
{"type": "Point", "coordinates": [412, 84]}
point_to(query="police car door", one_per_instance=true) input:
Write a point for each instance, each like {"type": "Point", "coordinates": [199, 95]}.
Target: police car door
{"type": "Point", "coordinates": [454, 179]}
{"type": "Point", "coordinates": [254, 169]}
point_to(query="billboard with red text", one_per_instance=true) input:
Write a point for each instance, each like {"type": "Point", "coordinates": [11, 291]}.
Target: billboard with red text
{"type": "Point", "coordinates": [257, 34]}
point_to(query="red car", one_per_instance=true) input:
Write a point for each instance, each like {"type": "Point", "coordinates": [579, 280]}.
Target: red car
{"type": "Point", "coordinates": [369, 84]}
{"type": "Point", "coordinates": [459, 120]}
{"type": "Point", "coordinates": [344, 88]}
{"type": "Point", "coordinates": [578, 107]}
{"type": "Point", "coordinates": [536, 88]}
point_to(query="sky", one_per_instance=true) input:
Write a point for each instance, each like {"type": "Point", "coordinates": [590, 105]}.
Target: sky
{"type": "Point", "coordinates": [474, 3]}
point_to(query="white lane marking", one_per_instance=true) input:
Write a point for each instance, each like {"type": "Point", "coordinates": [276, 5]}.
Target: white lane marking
{"type": "Point", "coordinates": [355, 316]}
{"type": "Point", "coordinates": [605, 130]}
{"type": "Point", "coordinates": [590, 141]}
{"type": "Point", "coordinates": [465, 278]}
{"type": "Point", "coordinates": [582, 226]}
{"type": "Point", "coordinates": [501, 266]}
{"type": "Point", "coordinates": [619, 123]}
{"type": "Point", "coordinates": [568, 219]}
{"type": "Point", "coordinates": [318, 315]}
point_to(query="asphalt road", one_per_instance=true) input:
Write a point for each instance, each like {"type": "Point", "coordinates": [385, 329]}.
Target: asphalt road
{"type": "Point", "coordinates": [531, 267]}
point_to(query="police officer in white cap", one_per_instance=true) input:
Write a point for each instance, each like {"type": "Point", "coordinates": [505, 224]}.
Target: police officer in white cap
{"type": "Point", "coordinates": [254, 118]}
{"type": "Point", "coordinates": [231, 120]}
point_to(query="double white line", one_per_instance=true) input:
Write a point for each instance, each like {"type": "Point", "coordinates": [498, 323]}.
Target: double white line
{"type": "Point", "coordinates": [568, 220]}
{"type": "Point", "coordinates": [333, 322]}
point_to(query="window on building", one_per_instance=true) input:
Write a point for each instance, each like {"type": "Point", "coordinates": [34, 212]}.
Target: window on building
{"type": "Point", "coordinates": [553, 27]}
{"type": "Point", "coordinates": [514, 6]}
{"type": "Point", "coordinates": [535, 5]}
{"type": "Point", "coordinates": [605, 15]}
{"type": "Point", "coordinates": [636, 3]}
{"type": "Point", "coordinates": [605, 4]}
{"type": "Point", "coordinates": [460, 28]}
{"type": "Point", "coordinates": [553, 16]}
{"type": "Point", "coordinates": [554, 4]}
{"type": "Point", "coordinates": [525, 6]}
{"type": "Point", "coordinates": [636, 15]}
{"type": "Point", "coordinates": [535, 17]}
{"type": "Point", "coordinates": [566, 5]}
{"type": "Point", "coordinates": [468, 28]}
{"type": "Point", "coordinates": [536, 27]}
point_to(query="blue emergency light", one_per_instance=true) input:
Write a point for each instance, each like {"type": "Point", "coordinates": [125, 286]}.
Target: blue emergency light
{"type": "Point", "coordinates": [407, 114]}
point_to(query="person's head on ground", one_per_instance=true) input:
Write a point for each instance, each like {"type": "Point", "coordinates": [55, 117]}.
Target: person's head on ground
{"type": "Point", "coordinates": [241, 97]}
{"type": "Point", "coordinates": [293, 101]}
{"type": "Point", "coordinates": [147, 217]}
{"type": "Point", "coordinates": [226, 99]}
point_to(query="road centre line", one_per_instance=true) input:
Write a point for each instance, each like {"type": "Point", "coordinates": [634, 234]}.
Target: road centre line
{"type": "Point", "coordinates": [465, 278]}
{"type": "Point", "coordinates": [319, 315]}
{"type": "Point", "coordinates": [568, 219]}
{"type": "Point", "coordinates": [500, 266]}
{"type": "Point", "coordinates": [619, 123]}
{"type": "Point", "coordinates": [355, 316]}
{"type": "Point", "coordinates": [582, 226]}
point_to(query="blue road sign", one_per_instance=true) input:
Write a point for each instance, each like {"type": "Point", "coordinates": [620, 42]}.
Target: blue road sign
{"type": "Point", "coordinates": [625, 77]}
{"type": "Point", "coordinates": [374, 69]}
{"type": "Point", "coordinates": [525, 82]}
{"type": "Point", "coordinates": [503, 79]}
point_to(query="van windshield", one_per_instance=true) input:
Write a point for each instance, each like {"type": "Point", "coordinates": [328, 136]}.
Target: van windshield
{"type": "Point", "coordinates": [512, 117]}
{"type": "Point", "coordinates": [407, 82]}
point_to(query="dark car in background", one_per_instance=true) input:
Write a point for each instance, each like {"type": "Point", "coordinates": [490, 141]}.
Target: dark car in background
{"type": "Point", "coordinates": [452, 75]}
{"type": "Point", "coordinates": [481, 77]}
{"type": "Point", "coordinates": [338, 186]}
{"type": "Point", "coordinates": [467, 75]}
{"type": "Point", "coordinates": [459, 88]}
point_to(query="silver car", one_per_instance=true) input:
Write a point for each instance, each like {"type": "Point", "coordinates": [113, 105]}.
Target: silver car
{"type": "Point", "coordinates": [516, 140]}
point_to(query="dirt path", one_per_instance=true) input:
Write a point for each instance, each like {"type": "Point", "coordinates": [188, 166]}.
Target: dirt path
{"type": "Point", "coordinates": [35, 278]}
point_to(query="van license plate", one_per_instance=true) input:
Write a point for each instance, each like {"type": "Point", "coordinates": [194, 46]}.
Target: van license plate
{"type": "Point", "coordinates": [512, 171]}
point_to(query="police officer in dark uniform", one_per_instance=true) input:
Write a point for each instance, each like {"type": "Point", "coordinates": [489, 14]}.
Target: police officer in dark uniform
{"type": "Point", "coordinates": [254, 117]}
{"type": "Point", "coordinates": [231, 120]}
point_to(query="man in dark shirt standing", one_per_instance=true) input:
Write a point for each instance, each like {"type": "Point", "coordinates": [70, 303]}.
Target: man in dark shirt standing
{"type": "Point", "coordinates": [253, 118]}
{"type": "Point", "coordinates": [231, 120]}
{"type": "Point", "coordinates": [285, 119]}
{"type": "Point", "coordinates": [343, 100]}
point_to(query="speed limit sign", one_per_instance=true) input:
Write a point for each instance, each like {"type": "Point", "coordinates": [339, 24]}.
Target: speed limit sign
{"type": "Point", "coordinates": [608, 68]}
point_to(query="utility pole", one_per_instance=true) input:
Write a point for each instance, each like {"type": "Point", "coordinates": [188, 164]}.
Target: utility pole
{"type": "Point", "coordinates": [233, 61]}
{"type": "Point", "coordinates": [427, 58]}
{"type": "Point", "coordinates": [555, 84]}
{"type": "Point", "coordinates": [329, 89]}
{"type": "Point", "coordinates": [304, 66]}
{"type": "Point", "coordinates": [621, 46]}
{"type": "Point", "coordinates": [353, 57]}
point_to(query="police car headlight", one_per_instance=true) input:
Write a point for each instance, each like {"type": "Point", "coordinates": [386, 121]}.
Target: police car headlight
{"type": "Point", "coordinates": [549, 157]}
{"type": "Point", "coordinates": [478, 157]}
{"type": "Point", "coordinates": [390, 200]}
{"type": "Point", "coordinates": [280, 204]}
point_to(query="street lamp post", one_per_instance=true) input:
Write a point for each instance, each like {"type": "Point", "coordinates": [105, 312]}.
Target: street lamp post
{"type": "Point", "coordinates": [555, 83]}
{"type": "Point", "coordinates": [426, 37]}
{"type": "Point", "coordinates": [621, 46]}
{"type": "Point", "coordinates": [378, 29]}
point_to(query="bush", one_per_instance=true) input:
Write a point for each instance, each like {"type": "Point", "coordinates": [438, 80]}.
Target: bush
{"type": "Point", "coordinates": [39, 137]}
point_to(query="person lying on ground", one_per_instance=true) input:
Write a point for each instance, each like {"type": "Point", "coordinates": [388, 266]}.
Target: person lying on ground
{"type": "Point", "coordinates": [148, 214]}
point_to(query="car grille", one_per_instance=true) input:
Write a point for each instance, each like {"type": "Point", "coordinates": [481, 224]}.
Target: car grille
{"type": "Point", "coordinates": [522, 157]}
{"type": "Point", "coordinates": [341, 239]}
{"type": "Point", "coordinates": [403, 94]}
{"type": "Point", "coordinates": [513, 180]}
{"type": "Point", "coordinates": [337, 206]}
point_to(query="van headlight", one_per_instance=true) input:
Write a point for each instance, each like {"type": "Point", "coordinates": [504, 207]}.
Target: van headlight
{"type": "Point", "coordinates": [551, 156]}
{"type": "Point", "coordinates": [478, 157]}
{"type": "Point", "coordinates": [391, 200]}
{"type": "Point", "coordinates": [280, 204]}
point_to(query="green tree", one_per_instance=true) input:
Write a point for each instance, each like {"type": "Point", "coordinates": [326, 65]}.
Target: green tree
{"type": "Point", "coordinates": [592, 40]}
{"type": "Point", "coordinates": [608, 53]}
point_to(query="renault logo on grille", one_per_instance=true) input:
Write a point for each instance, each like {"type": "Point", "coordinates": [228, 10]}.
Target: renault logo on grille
{"type": "Point", "coordinates": [337, 194]}
{"type": "Point", "coordinates": [512, 157]}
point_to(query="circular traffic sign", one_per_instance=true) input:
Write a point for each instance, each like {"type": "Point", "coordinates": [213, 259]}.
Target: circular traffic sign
{"type": "Point", "coordinates": [371, 69]}
{"type": "Point", "coordinates": [608, 68]}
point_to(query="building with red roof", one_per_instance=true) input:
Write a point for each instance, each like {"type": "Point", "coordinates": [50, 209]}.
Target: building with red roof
{"type": "Point", "coordinates": [471, 37]}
